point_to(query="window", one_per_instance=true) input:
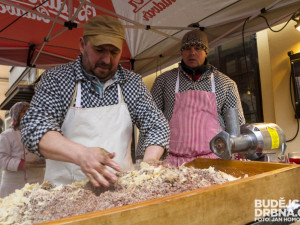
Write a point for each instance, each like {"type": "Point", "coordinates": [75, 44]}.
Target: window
{"type": "Point", "coordinates": [229, 58]}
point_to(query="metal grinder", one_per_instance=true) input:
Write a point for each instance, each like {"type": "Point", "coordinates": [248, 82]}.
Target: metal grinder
{"type": "Point", "coordinates": [253, 140]}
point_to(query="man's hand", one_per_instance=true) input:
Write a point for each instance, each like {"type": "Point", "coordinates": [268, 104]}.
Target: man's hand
{"type": "Point", "coordinates": [94, 163]}
{"type": "Point", "coordinates": [153, 153]}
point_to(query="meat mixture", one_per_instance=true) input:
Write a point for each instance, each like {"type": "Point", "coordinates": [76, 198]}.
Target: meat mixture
{"type": "Point", "coordinates": [39, 203]}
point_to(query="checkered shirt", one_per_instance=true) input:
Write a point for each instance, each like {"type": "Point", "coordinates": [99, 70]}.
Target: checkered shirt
{"type": "Point", "coordinates": [54, 92]}
{"type": "Point", "coordinates": [227, 95]}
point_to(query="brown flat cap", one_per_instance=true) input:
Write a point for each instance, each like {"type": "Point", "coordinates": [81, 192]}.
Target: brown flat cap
{"type": "Point", "coordinates": [103, 29]}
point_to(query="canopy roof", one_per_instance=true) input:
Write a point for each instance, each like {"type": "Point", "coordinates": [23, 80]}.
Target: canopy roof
{"type": "Point", "coordinates": [45, 33]}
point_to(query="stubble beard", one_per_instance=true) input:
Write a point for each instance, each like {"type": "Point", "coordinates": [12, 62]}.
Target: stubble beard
{"type": "Point", "coordinates": [101, 75]}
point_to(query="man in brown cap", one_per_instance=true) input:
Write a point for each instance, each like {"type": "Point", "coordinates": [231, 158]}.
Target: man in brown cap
{"type": "Point", "coordinates": [82, 114]}
{"type": "Point", "coordinates": [106, 35]}
{"type": "Point", "coordinates": [194, 98]}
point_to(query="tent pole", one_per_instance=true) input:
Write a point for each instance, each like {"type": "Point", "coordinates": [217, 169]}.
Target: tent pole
{"type": "Point", "coordinates": [128, 20]}
{"type": "Point", "coordinates": [254, 15]}
{"type": "Point", "coordinates": [30, 55]}
{"type": "Point", "coordinates": [132, 64]}
{"type": "Point", "coordinates": [46, 38]}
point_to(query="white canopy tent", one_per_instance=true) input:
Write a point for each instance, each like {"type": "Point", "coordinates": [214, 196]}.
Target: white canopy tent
{"type": "Point", "coordinates": [42, 33]}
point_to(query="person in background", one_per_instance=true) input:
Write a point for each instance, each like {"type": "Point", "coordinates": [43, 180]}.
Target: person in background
{"type": "Point", "coordinates": [81, 116]}
{"type": "Point", "coordinates": [194, 98]}
{"type": "Point", "coordinates": [1, 125]}
{"type": "Point", "coordinates": [17, 164]}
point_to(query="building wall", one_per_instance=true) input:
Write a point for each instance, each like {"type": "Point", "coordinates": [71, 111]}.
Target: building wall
{"type": "Point", "coordinates": [274, 63]}
{"type": "Point", "coordinates": [4, 73]}
{"type": "Point", "coordinates": [148, 80]}
{"type": "Point", "coordinates": [15, 73]}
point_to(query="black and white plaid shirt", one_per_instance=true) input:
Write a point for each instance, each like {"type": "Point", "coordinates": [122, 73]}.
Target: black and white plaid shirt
{"type": "Point", "coordinates": [227, 95]}
{"type": "Point", "coordinates": [54, 92]}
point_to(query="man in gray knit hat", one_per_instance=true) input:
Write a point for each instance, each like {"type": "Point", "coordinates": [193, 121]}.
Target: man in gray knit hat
{"type": "Point", "coordinates": [194, 98]}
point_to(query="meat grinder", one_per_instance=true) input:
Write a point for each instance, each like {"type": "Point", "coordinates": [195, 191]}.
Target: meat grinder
{"type": "Point", "coordinates": [251, 140]}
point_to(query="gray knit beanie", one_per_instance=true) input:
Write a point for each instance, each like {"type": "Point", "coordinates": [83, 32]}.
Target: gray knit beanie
{"type": "Point", "coordinates": [195, 38]}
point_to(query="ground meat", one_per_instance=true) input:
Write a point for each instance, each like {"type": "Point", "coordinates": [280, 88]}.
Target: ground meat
{"type": "Point", "coordinates": [46, 202]}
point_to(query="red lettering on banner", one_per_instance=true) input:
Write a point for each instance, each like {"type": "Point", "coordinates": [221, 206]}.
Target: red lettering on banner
{"type": "Point", "coordinates": [50, 7]}
{"type": "Point", "coordinates": [155, 8]}
{"type": "Point", "coordinates": [138, 4]}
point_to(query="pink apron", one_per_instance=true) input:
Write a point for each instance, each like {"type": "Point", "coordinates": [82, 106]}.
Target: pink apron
{"type": "Point", "coordinates": [193, 124]}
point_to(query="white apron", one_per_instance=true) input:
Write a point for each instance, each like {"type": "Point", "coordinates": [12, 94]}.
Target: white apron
{"type": "Point", "coordinates": [108, 127]}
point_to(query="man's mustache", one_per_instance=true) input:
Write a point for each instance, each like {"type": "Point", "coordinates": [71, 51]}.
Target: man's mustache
{"type": "Point", "coordinates": [108, 66]}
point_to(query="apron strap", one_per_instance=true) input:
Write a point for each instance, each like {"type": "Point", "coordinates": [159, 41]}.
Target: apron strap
{"type": "Point", "coordinates": [120, 95]}
{"type": "Point", "coordinates": [77, 93]}
{"type": "Point", "coordinates": [177, 82]}
{"type": "Point", "coordinates": [212, 80]}
{"type": "Point", "coordinates": [78, 96]}
{"type": "Point", "coordinates": [74, 95]}
{"type": "Point", "coordinates": [213, 85]}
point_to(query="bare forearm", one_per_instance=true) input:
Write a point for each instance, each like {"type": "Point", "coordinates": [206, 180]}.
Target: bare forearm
{"type": "Point", "coordinates": [153, 152]}
{"type": "Point", "coordinates": [55, 146]}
